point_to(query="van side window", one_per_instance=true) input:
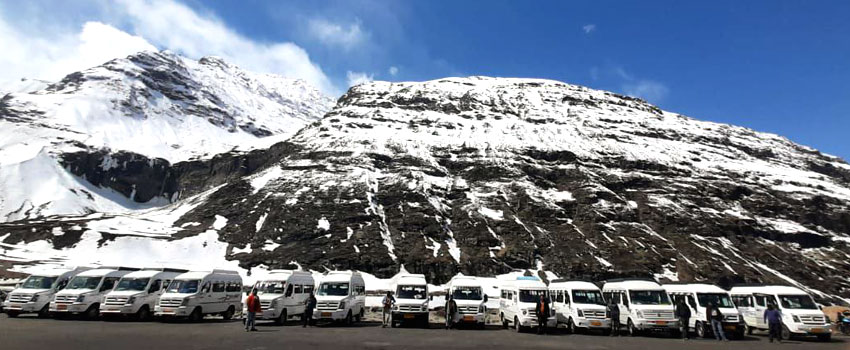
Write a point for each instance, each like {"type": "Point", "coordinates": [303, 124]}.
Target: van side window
{"type": "Point", "coordinates": [299, 289]}
{"type": "Point", "coordinates": [234, 287]}
{"type": "Point", "coordinates": [218, 287]}
{"type": "Point", "coordinates": [155, 286]}
{"type": "Point", "coordinates": [288, 290]}
{"type": "Point", "coordinates": [165, 284]}
{"type": "Point", "coordinates": [560, 296]}
{"type": "Point", "coordinates": [624, 299]}
{"type": "Point", "coordinates": [692, 302]}
{"type": "Point", "coordinates": [205, 288]}
{"type": "Point", "coordinates": [308, 289]}
{"type": "Point", "coordinates": [760, 300]}
{"type": "Point", "coordinates": [109, 283]}
{"type": "Point", "coordinates": [742, 300]}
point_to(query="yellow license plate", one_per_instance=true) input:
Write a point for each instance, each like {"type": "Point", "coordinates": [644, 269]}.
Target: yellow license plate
{"type": "Point", "coordinates": [469, 318]}
{"type": "Point", "coordinates": [730, 328]}
{"type": "Point", "coordinates": [61, 307]}
{"type": "Point", "coordinates": [168, 310]}
{"type": "Point", "coordinates": [409, 316]}
{"type": "Point", "coordinates": [326, 314]}
{"type": "Point", "coordinates": [15, 306]}
{"type": "Point", "coordinates": [661, 322]}
{"type": "Point", "coordinates": [595, 323]}
{"type": "Point", "coordinates": [817, 330]}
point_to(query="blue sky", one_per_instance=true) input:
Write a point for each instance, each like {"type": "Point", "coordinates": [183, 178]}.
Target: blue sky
{"type": "Point", "coordinates": [776, 66]}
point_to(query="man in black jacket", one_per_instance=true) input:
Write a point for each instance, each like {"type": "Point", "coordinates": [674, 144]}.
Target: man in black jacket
{"type": "Point", "coordinates": [683, 313]}
{"type": "Point", "coordinates": [307, 319]}
{"type": "Point", "coordinates": [542, 309]}
{"type": "Point", "coordinates": [614, 313]}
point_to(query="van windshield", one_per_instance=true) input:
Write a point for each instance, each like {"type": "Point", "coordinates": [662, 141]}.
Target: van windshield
{"type": "Point", "coordinates": [716, 299]}
{"type": "Point", "coordinates": [183, 286]}
{"type": "Point", "coordinates": [411, 292]}
{"type": "Point", "coordinates": [588, 297]}
{"type": "Point", "coordinates": [270, 287]}
{"type": "Point", "coordinates": [467, 293]}
{"type": "Point", "coordinates": [797, 302]}
{"type": "Point", "coordinates": [649, 297]}
{"type": "Point", "coordinates": [338, 289]}
{"type": "Point", "coordinates": [137, 284]}
{"type": "Point", "coordinates": [530, 296]}
{"type": "Point", "coordinates": [38, 282]}
{"type": "Point", "coordinates": [81, 282]}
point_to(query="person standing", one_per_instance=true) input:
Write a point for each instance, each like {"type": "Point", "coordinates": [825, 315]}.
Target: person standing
{"type": "Point", "coordinates": [451, 310]}
{"type": "Point", "coordinates": [387, 314]}
{"type": "Point", "coordinates": [773, 318]}
{"type": "Point", "coordinates": [683, 313]}
{"type": "Point", "coordinates": [253, 304]}
{"type": "Point", "coordinates": [715, 318]}
{"type": "Point", "coordinates": [614, 312]}
{"type": "Point", "coordinates": [308, 311]}
{"type": "Point", "coordinates": [542, 314]}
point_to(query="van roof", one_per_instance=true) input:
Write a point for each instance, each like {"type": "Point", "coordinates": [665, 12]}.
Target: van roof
{"type": "Point", "coordinates": [582, 285]}
{"type": "Point", "coordinates": [148, 273]}
{"type": "Point", "coordinates": [58, 271]}
{"type": "Point", "coordinates": [103, 272]}
{"type": "Point", "coordinates": [197, 275]}
{"type": "Point", "coordinates": [638, 284]}
{"type": "Point", "coordinates": [768, 289]}
{"type": "Point", "coordinates": [469, 281]}
{"type": "Point", "coordinates": [693, 288]}
{"type": "Point", "coordinates": [526, 282]}
{"type": "Point", "coordinates": [417, 279]}
{"type": "Point", "coordinates": [280, 275]}
{"type": "Point", "coordinates": [340, 276]}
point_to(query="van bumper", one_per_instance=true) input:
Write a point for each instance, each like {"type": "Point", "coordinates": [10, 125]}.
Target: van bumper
{"type": "Point", "coordinates": [117, 309]}
{"type": "Point", "coordinates": [22, 307]}
{"type": "Point", "coordinates": [330, 314]}
{"type": "Point", "coordinates": [810, 329]}
{"type": "Point", "coordinates": [532, 322]}
{"type": "Point", "coordinates": [470, 318]}
{"type": "Point", "coordinates": [267, 314]}
{"type": "Point", "coordinates": [181, 311]}
{"type": "Point", "coordinates": [660, 325]}
{"type": "Point", "coordinates": [73, 308]}
{"type": "Point", "coordinates": [592, 323]}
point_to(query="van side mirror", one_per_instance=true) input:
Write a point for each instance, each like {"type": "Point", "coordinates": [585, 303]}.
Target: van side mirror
{"type": "Point", "coordinates": [485, 298]}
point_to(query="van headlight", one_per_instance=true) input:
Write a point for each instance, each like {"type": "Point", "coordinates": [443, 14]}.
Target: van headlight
{"type": "Point", "coordinates": [131, 300]}
{"type": "Point", "coordinates": [795, 318]}
{"type": "Point", "coordinates": [424, 307]}
{"type": "Point", "coordinates": [482, 309]}
{"type": "Point", "coordinates": [580, 313]}
{"type": "Point", "coordinates": [80, 298]}
{"type": "Point", "coordinates": [34, 298]}
{"type": "Point", "coordinates": [186, 301]}
{"type": "Point", "coordinates": [639, 314]}
{"type": "Point", "coordinates": [341, 305]}
{"type": "Point", "coordinates": [273, 304]}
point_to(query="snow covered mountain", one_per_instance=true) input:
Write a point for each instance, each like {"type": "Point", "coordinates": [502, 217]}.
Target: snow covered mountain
{"type": "Point", "coordinates": [152, 105]}
{"type": "Point", "coordinates": [485, 175]}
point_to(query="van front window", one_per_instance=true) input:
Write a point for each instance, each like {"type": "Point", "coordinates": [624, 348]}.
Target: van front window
{"type": "Point", "coordinates": [185, 287]}
{"type": "Point", "coordinates": [338, 289]}
{"type": "Point", "coordinates": [588, 297]}
{"type": "Point", "coordinates": [649, 297]}
{"type": "Point", "coordinates": [467, 293]}
{"type": "Point", "coordinates": [716, 299]}
{"type": "Point", "coordinates": [270, 287]}
{"type": "Point", "coordinates": [411, 292]}
{"type": "Point", "coordinates": [797, 302]}
{"type": "Point", "coordinates": [530, 296]}
{"type": "Point", "coordinates": [136, 284]}
{"type": "Point", "coordinates": [81, 282]}
{"type": "Point", "coordinates": [38, 282]}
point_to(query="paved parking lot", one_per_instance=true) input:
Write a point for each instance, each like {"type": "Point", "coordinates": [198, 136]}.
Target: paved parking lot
{"type": "Point", "coordinates": [33, 333]}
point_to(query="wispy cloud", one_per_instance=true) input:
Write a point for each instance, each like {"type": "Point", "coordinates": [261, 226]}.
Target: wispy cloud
{"type": "Point", "coordinates": [627, 83]}
{"type": "Point", "coordinates": [357, 78]}
{"type": "Point", "coordinates": [393, 71]}
{"type": "Point", "coordinates": [588, 28]}
{"type": "Point", "coordinates": [154, 24]}
{"type": "Point", "coordinates": [335, 34]}
{"type": "Point", "coordinates": [649, 90]}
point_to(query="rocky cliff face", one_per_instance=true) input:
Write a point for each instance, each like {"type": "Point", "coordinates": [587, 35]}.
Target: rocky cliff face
{"type": "Point", "coordinates": [134, 118]}
{"type": "Point", "coordinates": [483, 175]}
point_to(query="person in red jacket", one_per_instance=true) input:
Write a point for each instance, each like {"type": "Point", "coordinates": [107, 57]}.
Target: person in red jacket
{"type": "Point", "coordinates": [253, 304]}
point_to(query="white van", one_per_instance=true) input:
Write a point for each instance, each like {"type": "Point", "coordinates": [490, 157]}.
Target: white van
{"type": "Point", "coordinates": [518, 303]}
{"type": "Point", "coordinates": [283, 294]}
{"type": "Point", "coordinates": [197, 293]}
{"type": "Point", "coordinates": [411, 300]}
{"type": "Point", "coordinates": [644, 305]}
{"type": "Point", "coordinates": [468, 294]}
{"type": "Point", "coordinates": [85, 291]}
{"type": "Point", "coordinates": [341, 296]}
{"type": "Point", "coordinates": [579, 305]}
{"type": "Point", "coordinates": [137, 292]}
{"type": "Point", "coordinates": [36, 291]}
{"type": "Point", "coordinates": [697, 296]}
{"type": "Point", "coordinates": [800, 314]}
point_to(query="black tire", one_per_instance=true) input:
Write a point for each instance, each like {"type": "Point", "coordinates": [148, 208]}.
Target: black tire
{"type": "Point", "coordinates": [143, 314]}
{"type": "Point", "coordinates": [196, 315]}
{"type": "Point", "coordinates": [393, 322]}
{"type": "Point", "coordinates": [92, 312]}
{"type": "Point", "coordinates": [349, 319]}
{"type": "Point", "coordinates": [504, 321]}
{"type": "Point", "coordinates": [571, 326]}
{"type": "Point", "coordinates": [12, 314]}
{"type": "Point", "coordinates": [824, 337]}
{"type": "Point", "coordinates": [517, 326]}
{"type": "Point", "coordinates": [748, 329]}
{"type": "Point", "coordinates": [227, 315]}
{"type": "Point", "coordinates": [785, 334]}
{"type": "Point", "coordinates": [633, 332]}
{"type": "Point", "coordinates": [699, 329]}
{"type": "Point", "coordinates": [281, 319]}
{"type": "Point", "coordinates": [44, 312]}
{"type": "Point", "coordinates": [362, 314]}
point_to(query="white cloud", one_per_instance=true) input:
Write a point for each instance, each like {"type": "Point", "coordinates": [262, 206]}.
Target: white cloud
{"type": "Point", "coordinates": [52, 55]}
{"type": "Point", "coordinates": [587, 28]}
{"type": "Point", "coordinates": [393, 70]}
{"type": "Point", "coordinates": [649, 90]}
{"type": "Point", "coordinates": [56, 50]}
{"type": "Point", "coordinates": [357, 78]}
{"type": "Point", "coordinates": [334, 34]}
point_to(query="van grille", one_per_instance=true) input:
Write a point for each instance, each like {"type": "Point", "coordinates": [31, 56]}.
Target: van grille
{"type": "Point", "coordinates": [170, 302]}
{"type": "Point", "coordinates": [658, 314]}
{"type": "Point", "coordinates": [65, 298]}
{"type": "Point", "coordinates": [327, 305]}
{"type": "Point", "coordinates": [409, 308]}
{"type": "Point", "coordinates": [731, 318]}
{"type": "Point", "coordinates": [265, 305]}
{"type": "Point", "coordinates": [467, 309]}
{"type": "Point", "coordinates": [19, 298]}
{"type": "Point", "coordinates": [593, 313]}
{"type": "Point", "coordinates": [817, 320]}
{"type": "Point", "coordinates": [116, 300]}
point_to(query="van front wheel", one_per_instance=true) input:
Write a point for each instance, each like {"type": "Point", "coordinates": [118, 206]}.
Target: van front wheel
{"type": "Point", "coordinates": [281, 320]}
{"type": "Point", "coordinates": [44, 312]}
{"type": "Point", "coordinates": [143, 314]}
{"type": "Point", "coordinates": [227, 315]}
{"type": "Point", "coordinates": [93, 312]}
{"type": "Point", "coordinates": [786, 334]}
{"type": "Point", "coordinates": [196, 315]}
{"type": "Point", "coordinates": [349, 319]}
{"type": "Point", "coordinates": [632, 330]}
{"type": "Point", "coordinates": [571, 326]}
{"type": "Point", "coordinates": [700, 330]}
{"type": "Point", "coordinates": [517, 325]}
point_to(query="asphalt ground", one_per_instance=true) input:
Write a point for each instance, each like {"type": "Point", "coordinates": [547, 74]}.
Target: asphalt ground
{"type": "Point", "coordinates": [27, 332]}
